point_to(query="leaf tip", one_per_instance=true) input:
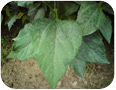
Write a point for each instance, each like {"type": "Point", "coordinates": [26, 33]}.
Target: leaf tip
{"type": "Point", "coordinates": [107, 62]}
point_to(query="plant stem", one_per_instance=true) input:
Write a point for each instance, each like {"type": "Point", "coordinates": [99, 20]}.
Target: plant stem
{"type": "Point", "coordinates": [56, 15]}
{"type": "Point", "coordinates": [56, 11]}
{"type": "Point", "coordinates": [53, 9]}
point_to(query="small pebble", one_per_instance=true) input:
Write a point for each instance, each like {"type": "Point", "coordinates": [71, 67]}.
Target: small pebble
{"type": "Point", "coordinates": [74, 83]}
{"type": "Point", "coordinates": [59, 83]}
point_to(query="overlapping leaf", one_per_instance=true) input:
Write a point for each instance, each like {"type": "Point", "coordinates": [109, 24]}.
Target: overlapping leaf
{"type": "Point", "coordinates": [90, 17]}
{"type": "Point", "coordinates": [33, 9]}
{"type": "Point", "coordinates": [106, 7]}
{"type": "Point", "coordinates": [79, 66]}
{"type": "Point", "coordinates": [64, 11]}
{"type": "Point", "coordinates": [55, 45]}
{"type": "Point", "coordinates": [22, 46]}
{"type": "Point", "coordinates": [91, 50]}
{"type": "Point", "coordinates": [36, 12]}
{"type": "Point", "coordinates": [11, 21]}
{"type": "Point", "coordinates": [106, 29]}
{"type": "Point", "coordinates": [11, 13]}
{"type": "Point", "coordinates": [40, 13]}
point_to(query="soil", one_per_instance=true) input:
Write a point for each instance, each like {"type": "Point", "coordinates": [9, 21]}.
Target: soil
{"type": "Point", "coordinates": [26, 75]}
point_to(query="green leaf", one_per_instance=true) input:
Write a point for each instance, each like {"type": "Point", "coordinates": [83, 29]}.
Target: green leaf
{"type": "Point", "coordinates": [106, 7]}
{"type": "Point", "coordinates": [106, 30]}
{"type": "Point", "coordinates": [58, 45]}
{"type": "Point", "coordinates": [11, 21]}
{"type": "Point", "coordinates": [33, 9]}
{"type": "Point", "coordinates": [23, 3]}
{"type": "Point", "coordinates": [63, 8]}
{"type": "Point", "coordinates": [40, 13]}
{"type": "Point", "coordinates": [92, 49]}
{"type": "Point", "coordinates": [79, 66]}
{"type": "Point", "coordinates": [55, 46]}
{"type": "Point", "coordinates": [11, 10]}
{"type": "Point", "coordinates": [90, 17]}
{"type": "Point", "coordinates": [22, 46]}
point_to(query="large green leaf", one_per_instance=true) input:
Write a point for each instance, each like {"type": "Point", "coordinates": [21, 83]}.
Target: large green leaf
{"type": "Point", "coordinates": [106, 29]}
{"type": "Point", "coordinates": [92, 49]}
{"type": "Point", "coordinates": [55, 46]}
{"type": "Point", "coordinates": [90, 17]}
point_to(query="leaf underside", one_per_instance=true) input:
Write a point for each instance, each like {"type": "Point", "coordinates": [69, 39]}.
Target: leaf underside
{"type": "Point", "coordinates": [53, 44]}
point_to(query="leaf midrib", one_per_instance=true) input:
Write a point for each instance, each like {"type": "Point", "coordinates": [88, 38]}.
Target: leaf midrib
{"type": "Point", "coordinates": [54, 51]}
